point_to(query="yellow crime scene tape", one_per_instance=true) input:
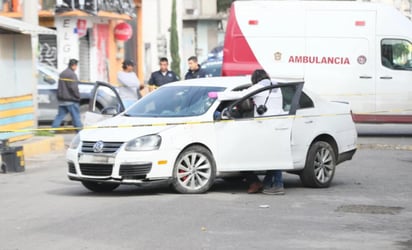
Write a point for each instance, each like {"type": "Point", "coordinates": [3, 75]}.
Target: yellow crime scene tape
{"type": "Point", "coordinates": [169, 123]}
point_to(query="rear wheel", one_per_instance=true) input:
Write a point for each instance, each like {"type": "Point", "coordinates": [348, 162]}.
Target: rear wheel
{"type": "Point", "coordinates": [100, 187]}
{"type": "Point", "coordinates": [194, 171]}
{"type": "Point", "coordinates": [320, 166]}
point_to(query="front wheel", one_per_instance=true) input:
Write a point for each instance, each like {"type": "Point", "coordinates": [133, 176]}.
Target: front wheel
{"type": "Point", "coordinates": [320, 166]}
{"type": "Point", "coordinates": [194, 171]}
{"type": "Point", "coordinates": [100, 187]}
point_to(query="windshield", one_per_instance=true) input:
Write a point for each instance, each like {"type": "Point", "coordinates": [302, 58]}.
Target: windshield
{"type": "Point", "coordinates": [175, 101]}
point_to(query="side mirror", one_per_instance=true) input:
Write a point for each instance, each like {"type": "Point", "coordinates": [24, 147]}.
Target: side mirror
{"type": "Point", "coordinates": [49, 80]}
{"type": "Point", "coordinates": [110, 111]}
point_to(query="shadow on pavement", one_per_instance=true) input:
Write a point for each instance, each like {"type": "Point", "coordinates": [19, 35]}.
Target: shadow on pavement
{"type": "Point", "coordinates": [291, 183]}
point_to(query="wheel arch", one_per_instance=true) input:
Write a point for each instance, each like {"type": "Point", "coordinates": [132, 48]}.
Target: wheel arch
{"type": "Point", "coordinates": [329, 139]}
{"type": "Point", "coordinates": [196, 144]}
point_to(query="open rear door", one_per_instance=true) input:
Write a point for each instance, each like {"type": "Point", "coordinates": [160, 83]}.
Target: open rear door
{"type": "Point", "coordinates": [104, 103]}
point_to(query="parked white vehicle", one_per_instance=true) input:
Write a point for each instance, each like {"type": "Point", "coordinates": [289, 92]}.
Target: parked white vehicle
{"type": "Point", "coordinates": [178, 133]}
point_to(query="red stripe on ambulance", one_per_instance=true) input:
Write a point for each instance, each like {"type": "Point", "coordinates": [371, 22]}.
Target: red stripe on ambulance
{"type": "Point", "coordinates": [242, 61]}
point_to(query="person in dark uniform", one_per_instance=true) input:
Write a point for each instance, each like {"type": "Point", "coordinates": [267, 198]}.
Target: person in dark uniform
{"type": "Point", "coordinates": [162, 76]}
{"type": "Point", "coordinates": [195, 71]}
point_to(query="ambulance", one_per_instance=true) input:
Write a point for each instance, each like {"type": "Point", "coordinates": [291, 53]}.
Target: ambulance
{"type": "Point", "coordinates": [355, 52]}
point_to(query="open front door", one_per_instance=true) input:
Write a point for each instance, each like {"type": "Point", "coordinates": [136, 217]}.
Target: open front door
{"type": "Point", "coordinates": [104, 103]}
{"type": "Point", "coordinates": [258, 143]}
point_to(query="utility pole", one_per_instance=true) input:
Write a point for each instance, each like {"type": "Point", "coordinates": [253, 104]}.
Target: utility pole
{"type": "Point", "coordinates": [30, 15]}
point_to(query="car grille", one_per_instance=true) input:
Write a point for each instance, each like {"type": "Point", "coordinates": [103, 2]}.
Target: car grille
{"type": "Point", "coordinates": [96, 169]}
{"type": "Point", "coordinates": [135, 170]}
{"type": "Point", "coordinates": [72, 169]}
{"type": "Point", "coordinates": [108, 148]}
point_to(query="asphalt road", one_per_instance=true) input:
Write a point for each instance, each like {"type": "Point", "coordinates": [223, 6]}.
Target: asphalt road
{"type": "Point", "coordinates": [369, 206]}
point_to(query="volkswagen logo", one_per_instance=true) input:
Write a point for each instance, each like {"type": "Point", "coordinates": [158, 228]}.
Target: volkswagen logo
{"type": "Point", "coordinates": [98, 147]}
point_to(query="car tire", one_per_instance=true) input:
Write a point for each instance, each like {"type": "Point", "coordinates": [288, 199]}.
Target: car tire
{"type": "Point", "coordinates": [320, 166]}
{"type": "Point", "coordinates": [194, 171]}
{"type": "Point", "coordinates": [100, 187]}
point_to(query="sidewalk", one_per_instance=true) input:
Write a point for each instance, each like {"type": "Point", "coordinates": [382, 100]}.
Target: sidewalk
{"type": "Point", "coordinates": [44, 144]}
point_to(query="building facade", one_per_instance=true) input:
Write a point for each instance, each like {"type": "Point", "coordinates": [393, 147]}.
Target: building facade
{"type": "Point", "coordinates": [88, 30]}
{"type": "Point", "coordinates": [200, 28]}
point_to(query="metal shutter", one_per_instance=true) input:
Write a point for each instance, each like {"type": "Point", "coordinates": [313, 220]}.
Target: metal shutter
{"type": "Point", "coordinates": [84, 58]}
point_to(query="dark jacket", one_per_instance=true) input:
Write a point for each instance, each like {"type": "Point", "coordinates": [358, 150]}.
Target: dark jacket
{"type": "Point", "coordinates": [68, 88]}
{"type": "Point", "coordinates": [158, 79]}
{"type": "Point", "coordinates": [192, 74]}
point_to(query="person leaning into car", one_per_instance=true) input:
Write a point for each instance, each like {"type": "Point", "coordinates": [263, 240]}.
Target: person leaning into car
{"type": "Point", "coordinates": [267, 103]}
{"type": "Point", "coordinates": [68, 95]}
{"type": "Point", "coordinates": [162, 76]}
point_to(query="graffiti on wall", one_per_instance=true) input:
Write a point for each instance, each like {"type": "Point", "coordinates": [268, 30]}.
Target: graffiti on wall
{"type": "Point", "coordinates": [47, 53]}
{"type": "Point", "coordinates": [92, 6]}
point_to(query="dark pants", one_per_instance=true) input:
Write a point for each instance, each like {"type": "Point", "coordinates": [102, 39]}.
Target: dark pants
{"type": "Point", "coordinates": [273, 178]}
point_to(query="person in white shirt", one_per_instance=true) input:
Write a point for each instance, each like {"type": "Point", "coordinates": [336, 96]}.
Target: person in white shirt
{"type": "Point", "coordinates": [129, 84]}
{"type": "Point", "coordinates": [267, 103]}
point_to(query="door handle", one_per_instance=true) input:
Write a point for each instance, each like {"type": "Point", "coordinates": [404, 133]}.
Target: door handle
{"type": "Point", "coordinates": [280, 129]}
{"type": "Point", "coordinates": [308, 122]}
{"type": "Point", "coordinates": [386, 77]}
{"type": "Point", "coordinates": [365, 77]}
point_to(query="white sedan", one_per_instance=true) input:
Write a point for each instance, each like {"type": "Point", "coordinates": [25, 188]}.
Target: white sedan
{"type": "Point", "coordinates": [177, 133]}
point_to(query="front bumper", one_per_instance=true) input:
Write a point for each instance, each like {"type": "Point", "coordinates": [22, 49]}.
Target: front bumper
{"type": "Point", "coordinates": [120, 167]}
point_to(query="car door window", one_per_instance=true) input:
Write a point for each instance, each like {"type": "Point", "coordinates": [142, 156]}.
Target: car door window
{"type": "Point", "coordinates": [282, 102]}
{"type": "Point", "coordinates": [396, 54]}
{"type": "Point", "coordinates": [305, 102]}
{"type": "Point", "coordinates": [105, 96]}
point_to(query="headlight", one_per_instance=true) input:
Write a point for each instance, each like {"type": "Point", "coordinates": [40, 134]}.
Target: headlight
{"type": "Point", "coordinates": [144, 143]}
{"type": "Point", "coordinates": [75, 142]}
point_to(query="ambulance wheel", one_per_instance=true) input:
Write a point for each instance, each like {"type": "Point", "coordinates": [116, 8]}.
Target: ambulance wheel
{"type": "Point", "coordinates": [320, 166]}
{"type": "Point", "coordinates": [194, 171]}
{"type": "Point", "coordinates": [100, 187]}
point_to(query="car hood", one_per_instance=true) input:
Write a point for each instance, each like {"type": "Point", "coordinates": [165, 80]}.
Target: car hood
{"type": "Point", "coordinates": [123, 128]}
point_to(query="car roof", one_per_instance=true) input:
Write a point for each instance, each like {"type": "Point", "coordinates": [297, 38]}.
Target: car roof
{"type": "Point", "coordinates": [229, 82]}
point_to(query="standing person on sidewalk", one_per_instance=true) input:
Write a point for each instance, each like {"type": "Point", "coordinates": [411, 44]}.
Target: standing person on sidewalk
{"type": "Point", "coordinates": [68, 96]}
{"type": "Point", "coordinates": [195, 71]}
{"type": "Point", "coordinates": [162, 76]}
{"type": "Point", "coordinates": [129, 84]}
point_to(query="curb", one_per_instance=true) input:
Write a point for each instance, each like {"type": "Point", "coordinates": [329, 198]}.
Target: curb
{"type": "Point", "coordinates": [43, 145]}
{"type": "Point", "coordinates": [385, 146]}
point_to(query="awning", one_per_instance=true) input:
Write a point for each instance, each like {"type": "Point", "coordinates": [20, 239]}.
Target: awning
{"type": "Point", "coordinates": [18, 26]}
